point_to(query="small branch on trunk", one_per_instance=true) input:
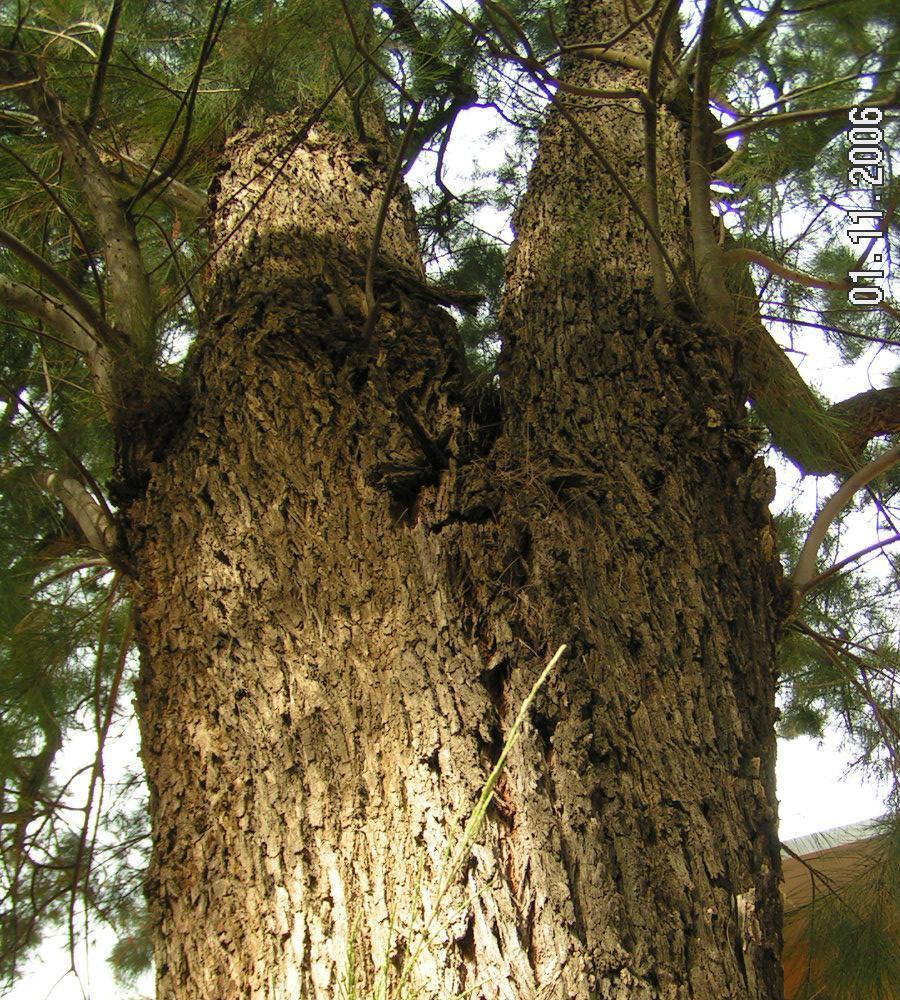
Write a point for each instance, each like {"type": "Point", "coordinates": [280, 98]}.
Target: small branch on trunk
{"type": "Point", "coordinates": [435, 454]}
{"type": "Point", "coordinates": [746, 255]}
{"type": "Point", "coordinates": [538, 71]}
{"type": "Point", "coordinates": [641, 18]}
{"type": "Point", "coordinates": [97, 527]}
{"type": "Point", "coordinates": [715, 298]}
{"type": "Point", "coordinates": [615, 57]}
{"type": "Point", "coordinates": [71, 329]}
{"type": "Point", "coordinates": [805, 570]}
{"type": "Point", "coordinates": [175, 195]}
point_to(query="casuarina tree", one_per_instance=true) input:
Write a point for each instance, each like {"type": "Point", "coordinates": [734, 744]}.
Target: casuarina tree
{"type": "Point", "coordinates": [300, 466]}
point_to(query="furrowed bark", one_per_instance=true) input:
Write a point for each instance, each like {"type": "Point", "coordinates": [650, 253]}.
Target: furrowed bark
{"type": "Point", "coordinates": [350, 576]}
{"type": "Point", "coordinates": [642, 417]}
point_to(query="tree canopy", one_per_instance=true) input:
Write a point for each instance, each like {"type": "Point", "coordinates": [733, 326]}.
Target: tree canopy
{"type": "Point", "coordinates": [112, 124]}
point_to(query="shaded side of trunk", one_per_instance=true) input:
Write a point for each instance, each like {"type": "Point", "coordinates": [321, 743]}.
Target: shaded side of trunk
{"type": "Point", "coordinates": [348, 585]}
{"type": "Point", "coordinates": [635, 418]}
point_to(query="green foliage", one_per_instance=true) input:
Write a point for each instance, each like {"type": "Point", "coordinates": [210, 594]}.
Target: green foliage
{"type": "Point", "coordinates": [790, 179]}
{"type": "Point", "coordinates": [839, 658]}
{"type": "Point", "coordinates": [478, 267]}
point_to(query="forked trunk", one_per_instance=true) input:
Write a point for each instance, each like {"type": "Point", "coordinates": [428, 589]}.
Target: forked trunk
{"type": "Point", "coordinates": [355, 564]}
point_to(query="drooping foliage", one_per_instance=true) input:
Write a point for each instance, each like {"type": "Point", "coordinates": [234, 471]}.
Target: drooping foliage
{"type": "Point", "coordinates": [149, 93]}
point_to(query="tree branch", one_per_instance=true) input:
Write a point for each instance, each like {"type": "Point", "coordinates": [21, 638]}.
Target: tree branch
{"type": "Point", "coordinates": [838, 566]}
{"type": "Point", "coordinates": [615, 57]}
{"type": "Point", "coordinates": [156, 177]}
{"type": "Point", "coordinates": [389, 190]}
{"type": "Point", "coordinates": [72, 330]}
{"type": "Point", "coordinates": [109, 36]}
{"type": "Point", "coordinates": [788, 117]}
{"type": "Point", "coordinates": [746, 255]}
{"type": "Point", "coordinates": [62, 284]}
{"type": "Point", "coordinates": [744, 41]}
{"type": "Point", "coordinates": [21, 400]}
{"type": "Point", "coordinates": [66, 211]}
{"type": "Point", "coordinates": [805, 570]}
{"type": "Point", "coordinates": [818, 438]}
{"type": "Point", "coordinates": [868, 415]}
{"type": "Point", "coordinates": [129, 288]}
{"type": "Point", "coordinates": [175, 195]}
{"type": "Point", "coordinates": [97, 527]}
{"type": "Point", "coordinates": [801, 427]}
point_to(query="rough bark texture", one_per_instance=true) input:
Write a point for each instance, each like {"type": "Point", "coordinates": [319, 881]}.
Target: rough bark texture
{"type": "Point", "coordinates": [350, 581]}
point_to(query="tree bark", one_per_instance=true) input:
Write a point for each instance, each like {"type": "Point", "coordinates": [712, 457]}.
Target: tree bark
{"type": "Point", "coordinates": [353, 565]}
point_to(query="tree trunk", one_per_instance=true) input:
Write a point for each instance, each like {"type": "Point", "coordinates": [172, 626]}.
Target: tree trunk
{"type": "Point", "coordinates": [353, 566]}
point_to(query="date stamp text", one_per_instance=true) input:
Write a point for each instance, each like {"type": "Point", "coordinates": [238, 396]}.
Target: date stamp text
{"type": "Point", "coordinates": [866, 225]}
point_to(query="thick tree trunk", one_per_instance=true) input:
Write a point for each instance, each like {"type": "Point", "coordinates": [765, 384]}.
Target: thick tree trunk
{"type": "Point", "coordinates": [349, 581]}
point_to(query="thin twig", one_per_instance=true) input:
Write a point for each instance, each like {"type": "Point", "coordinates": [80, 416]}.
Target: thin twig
{"type": "Point", "coordinates": [106, 47]}
{"type": "Point", "coordinates": [389, 190]}
{"type": "Point", "coordinates": [154, 178]}
{"type": "Point", "coordinates": [838, 566]}
{"type": "Point", "coordinates": [788, 117]}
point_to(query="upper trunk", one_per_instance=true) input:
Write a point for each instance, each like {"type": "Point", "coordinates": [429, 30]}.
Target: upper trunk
{"type": "Point", "coordinates": [349, 582]}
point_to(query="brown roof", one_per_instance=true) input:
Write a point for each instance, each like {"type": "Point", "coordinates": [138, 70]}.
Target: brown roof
{"type": "Point", "coordinates": [813, 868]}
